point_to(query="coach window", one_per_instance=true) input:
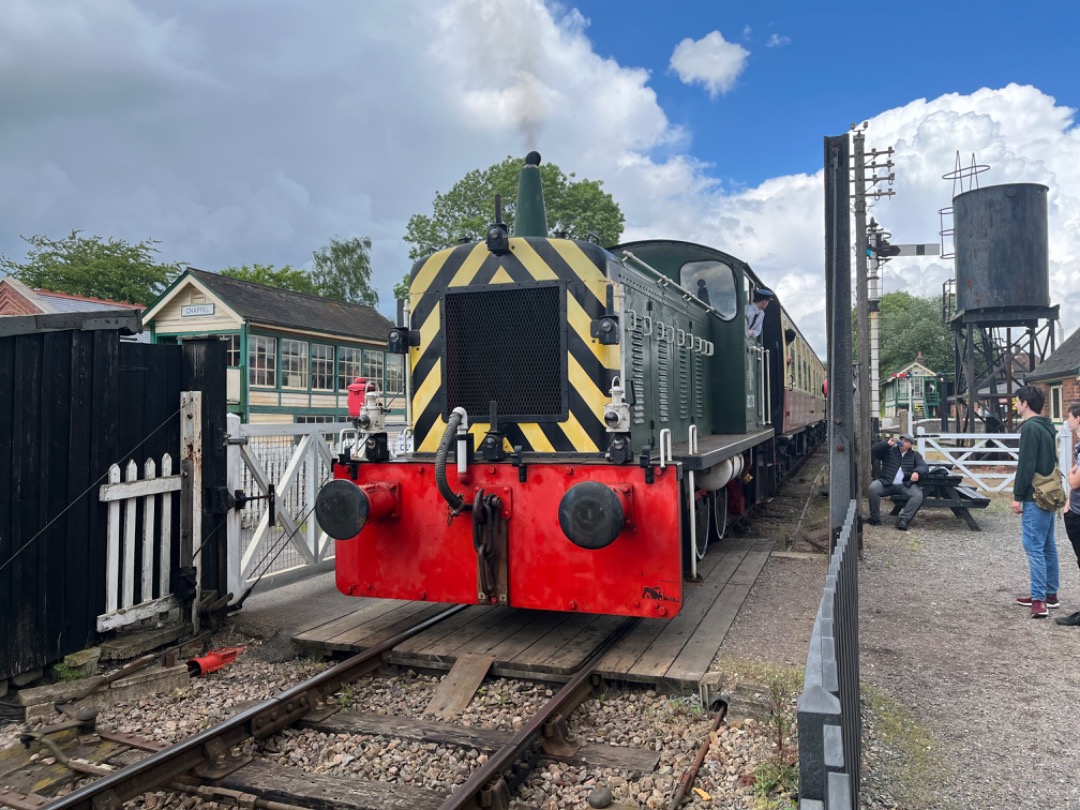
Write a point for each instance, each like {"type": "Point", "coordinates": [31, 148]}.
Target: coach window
{"type": "Point", "coordinates": [714, 283]}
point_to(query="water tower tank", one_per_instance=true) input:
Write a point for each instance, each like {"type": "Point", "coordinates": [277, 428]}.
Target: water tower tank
{"type": "Point", "coordinates": [1002, 254]}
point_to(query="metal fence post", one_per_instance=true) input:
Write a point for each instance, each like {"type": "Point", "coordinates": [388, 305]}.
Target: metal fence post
{"type": "Point", "coordinates": [234, 475]}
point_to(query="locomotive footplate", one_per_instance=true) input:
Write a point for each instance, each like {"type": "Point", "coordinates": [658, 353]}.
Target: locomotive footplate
{"type": "Point", "coordinates": [714, 449]}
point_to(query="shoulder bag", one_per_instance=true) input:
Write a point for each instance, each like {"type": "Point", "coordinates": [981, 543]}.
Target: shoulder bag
{"type": "Point", "coordinates": [1048, 492]}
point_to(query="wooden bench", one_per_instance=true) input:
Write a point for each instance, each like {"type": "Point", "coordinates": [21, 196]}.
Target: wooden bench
{"type": "Point", "coordinates": [944, 490]}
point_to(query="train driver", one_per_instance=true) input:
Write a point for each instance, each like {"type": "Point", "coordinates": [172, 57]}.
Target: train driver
{"type": "Point", "coordinates": [755, 312]}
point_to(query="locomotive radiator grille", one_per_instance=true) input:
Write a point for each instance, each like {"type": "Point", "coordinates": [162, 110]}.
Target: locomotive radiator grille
{"type": "Point", "coordinates": [506, 345]}
{"type": "Point", "coordinates": [574, 270]}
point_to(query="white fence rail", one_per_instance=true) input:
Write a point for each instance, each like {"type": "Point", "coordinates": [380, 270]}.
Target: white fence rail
{"type": "Point", "coordinates": [297, 460]}
{"type": "Point", "coordinates": [123, 498]}
{"type": "Point", "coordinates": [987, 460]}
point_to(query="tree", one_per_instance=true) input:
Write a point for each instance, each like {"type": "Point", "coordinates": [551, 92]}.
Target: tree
{"type": "Point", "coordinates": [401, 289]}
{"type": "Point", "coordinates": [342, 271]}
{"type": "Point", "coordinates": [576, 207]}
{"type": "Point", "coordinates": [93, 267]}
{"type": "Point", "coordinates": [287, 278]}
{"type": "Point", "coordinates": [908, 325]}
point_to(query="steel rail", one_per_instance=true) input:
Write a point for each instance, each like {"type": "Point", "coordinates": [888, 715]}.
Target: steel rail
{"type": "Point", "coordinates": [569, 696]}
{"type": "Point", "coordinates": [160, 768]}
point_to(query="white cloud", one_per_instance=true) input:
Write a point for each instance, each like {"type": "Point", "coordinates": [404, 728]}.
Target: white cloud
{"type": "Point", "coordinates": [777, 41]}
{"type": "Point", "coordinates": [252, 132]}
{"type": "Point", "coordinates": [710, 61]}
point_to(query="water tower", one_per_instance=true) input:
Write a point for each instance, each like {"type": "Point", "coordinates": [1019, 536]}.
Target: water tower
{"type": "Point", "coordinates": [1003, 323]}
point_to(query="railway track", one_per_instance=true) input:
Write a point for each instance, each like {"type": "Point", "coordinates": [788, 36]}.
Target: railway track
{"type": "Point", "coordinates": [220, 762]}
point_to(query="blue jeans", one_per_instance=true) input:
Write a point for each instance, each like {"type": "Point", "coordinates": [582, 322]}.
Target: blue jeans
{"type": "Point", "coordinates": [1037, 528]}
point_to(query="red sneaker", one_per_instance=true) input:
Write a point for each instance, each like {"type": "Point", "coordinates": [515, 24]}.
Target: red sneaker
{"type": "Point", "coordinates": [1051, 601]}
{"type": "Point", "coordinates": [1038, 609]}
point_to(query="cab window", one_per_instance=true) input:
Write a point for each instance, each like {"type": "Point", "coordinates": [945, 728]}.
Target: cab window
{"type": "Point", "coordinates": [714, 283]}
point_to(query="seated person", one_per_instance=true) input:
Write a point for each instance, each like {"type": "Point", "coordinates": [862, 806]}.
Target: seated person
{"type": "Point", "coordinates": [901, 467]}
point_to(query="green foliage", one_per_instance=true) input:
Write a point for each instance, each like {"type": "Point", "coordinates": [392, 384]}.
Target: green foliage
{"type": "Point", "coordinates": [346, 696]}
{"type": "Point", "coordinates": [578, 207]}
{"type": "Point", "coordinates": [63, 672]}
{"type": "Point", "coordinates": [94, 267]}
{"type": "Point", "coordinates": [778, 778]}
{"type": "Point", "coordinates": [287, 278]}
{"type": "Point", "coordinates": [342, 271]}
{"type": "Point", "coordinates": [401, 289]}
{"type": "Point", "coordinates": [908, 325]}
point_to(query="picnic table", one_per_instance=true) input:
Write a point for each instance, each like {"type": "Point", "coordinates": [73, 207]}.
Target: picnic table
{"type": "Point", "coordinates": [943, 489]}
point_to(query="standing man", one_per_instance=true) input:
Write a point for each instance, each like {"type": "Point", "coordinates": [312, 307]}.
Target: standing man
{"type": "Point", "coordinates": [755, 312]}
{"type": "Point", "coordinates": [1037, 455]}
{"type": "Point", "coordinates": [901, 468]}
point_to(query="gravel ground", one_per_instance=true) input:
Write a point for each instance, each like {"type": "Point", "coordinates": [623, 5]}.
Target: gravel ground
{"type": "Point", "coordinates": [968, 702]}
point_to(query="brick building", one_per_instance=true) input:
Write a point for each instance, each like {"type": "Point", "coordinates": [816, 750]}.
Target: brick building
{"type": "Point", "coordinates": [1059, 377]}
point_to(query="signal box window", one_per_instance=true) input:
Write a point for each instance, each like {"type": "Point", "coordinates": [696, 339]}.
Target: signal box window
{"type": "Point", "coordinates": [294, 363]}
{"type": "Point", "coordinates": [714, 283]}
{"type": "Point", "coordinates": [262, 361]}
{"type": "Point", "coordinates": [322, 367]}
{"type": "Point", "coordinates": [232, 349]}
{"type": "Point", "coordinates": [395, 373]}
{"type": "Point", "coordinates": [373, 366]}
{"type": "Point", "coordinates": [348, 367]}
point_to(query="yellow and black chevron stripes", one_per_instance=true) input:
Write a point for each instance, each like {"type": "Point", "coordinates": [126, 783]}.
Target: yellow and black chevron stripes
{"type": "Point", "coordinates": [577, 269]}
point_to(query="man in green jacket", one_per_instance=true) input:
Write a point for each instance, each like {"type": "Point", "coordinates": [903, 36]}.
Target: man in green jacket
{"type": "Point", "coordinates": [1037, 455]}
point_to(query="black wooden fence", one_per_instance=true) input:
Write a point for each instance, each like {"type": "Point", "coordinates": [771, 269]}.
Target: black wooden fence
{"type": "Point", "coordinates": [72, 403]}
{"type": "Point", "coordinates": [830, 717]}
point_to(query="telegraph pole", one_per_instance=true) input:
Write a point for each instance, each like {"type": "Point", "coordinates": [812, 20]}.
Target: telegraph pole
{"type": "Point", "coordinates": [867, 294]}
{"type": "Point", "coordinates": [862, 433]}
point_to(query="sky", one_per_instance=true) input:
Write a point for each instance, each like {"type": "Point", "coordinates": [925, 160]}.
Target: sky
{"type": "Point", "coordinates": [252, 131]}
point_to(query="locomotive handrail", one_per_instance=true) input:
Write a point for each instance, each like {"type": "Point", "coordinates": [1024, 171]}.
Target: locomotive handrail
{"type": "Point", "coordinates": [665, 434]}
{"type": "Point", "coordinates": [768, 390]}
{"type": "Point", "coordinates": [647, 321]}
{"type": "Point", "coordinates": [664, 281]}
{"type": "Point", "coordinates": [692, 441]}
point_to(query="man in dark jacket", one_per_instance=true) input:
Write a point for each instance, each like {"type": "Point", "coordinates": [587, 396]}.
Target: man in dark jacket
{"type": "Point", "coordinates": [901, 468]}
{"type": "Point", "coordinates": [1038, 454]}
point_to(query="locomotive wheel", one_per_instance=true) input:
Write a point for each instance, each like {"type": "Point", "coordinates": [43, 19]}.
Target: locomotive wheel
{"type": "Point", "coordinates": [719, 510]}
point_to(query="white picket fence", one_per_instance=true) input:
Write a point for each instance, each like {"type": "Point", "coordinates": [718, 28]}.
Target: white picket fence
{"type": "Point", "coordinates": [123, 497]}
{"type": "Point", "coordinates": [986, 460]}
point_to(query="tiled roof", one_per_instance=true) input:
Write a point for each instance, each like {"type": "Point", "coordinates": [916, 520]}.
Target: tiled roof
{"type": "Point", "coordinates": [1064, 362]}
{"type": "Point", "coordinates": [277, 307]}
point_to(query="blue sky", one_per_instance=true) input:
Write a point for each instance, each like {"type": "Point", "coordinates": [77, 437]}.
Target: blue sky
{"type": "Point", "coordinates": [243, 131]}
{"type": "Point", "coordinates": [812, 72]}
